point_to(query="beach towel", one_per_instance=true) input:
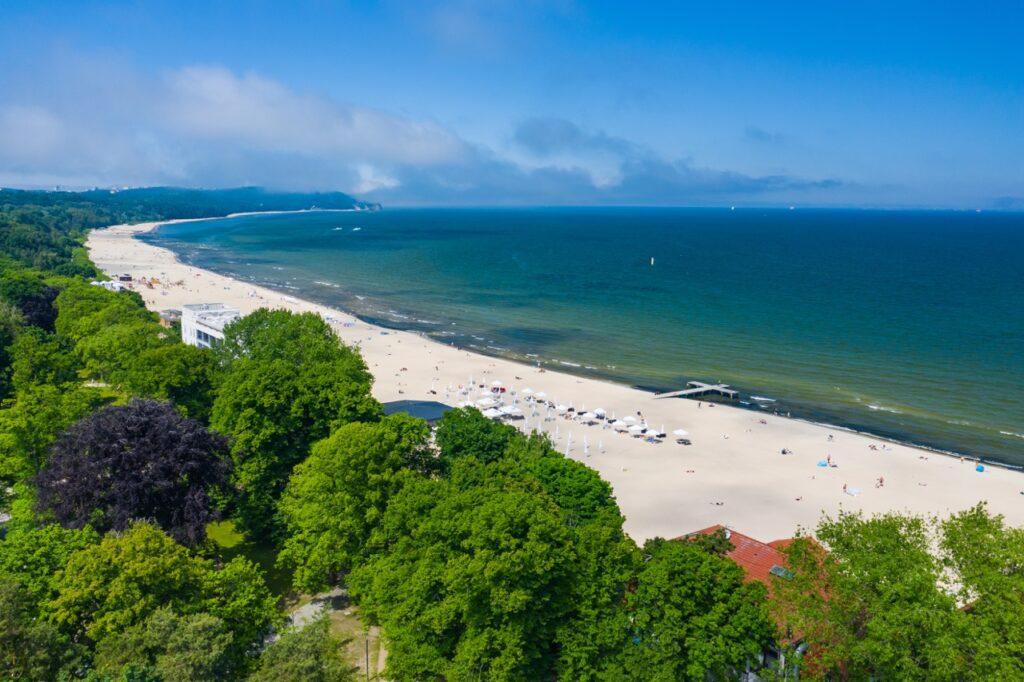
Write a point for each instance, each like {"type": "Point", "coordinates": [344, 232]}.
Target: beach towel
{"type": "Point", "coordinates": [822, 463]}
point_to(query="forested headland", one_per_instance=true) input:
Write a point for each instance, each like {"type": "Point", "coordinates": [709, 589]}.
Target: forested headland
{"type": "Point", "coordinates": [479, 552]}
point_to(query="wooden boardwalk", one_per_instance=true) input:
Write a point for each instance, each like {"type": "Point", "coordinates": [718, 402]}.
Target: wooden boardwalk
{"type": "Point", "coordinates": [699, 388]}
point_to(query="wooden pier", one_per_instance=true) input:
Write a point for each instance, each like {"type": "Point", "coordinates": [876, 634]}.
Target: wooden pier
{"type": "Point", "coordinates": [698, 388]}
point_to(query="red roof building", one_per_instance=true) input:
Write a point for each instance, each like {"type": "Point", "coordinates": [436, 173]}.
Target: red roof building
{"type": "Point", "coordinates": [759, 560]}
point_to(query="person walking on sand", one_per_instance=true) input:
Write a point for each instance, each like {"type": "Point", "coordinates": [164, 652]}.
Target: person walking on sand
{"type": "Point", "coordinates": [844, 488]}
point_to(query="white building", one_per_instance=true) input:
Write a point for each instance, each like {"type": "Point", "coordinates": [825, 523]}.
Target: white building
{"type": "Point", "coordinates": [202, 324]}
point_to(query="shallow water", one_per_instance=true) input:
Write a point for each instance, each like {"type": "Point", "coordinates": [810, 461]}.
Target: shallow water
{"type": "Point", "coordinates": [905, 324]}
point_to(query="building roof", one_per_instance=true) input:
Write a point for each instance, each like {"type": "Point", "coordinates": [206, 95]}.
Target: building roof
{"type": "Point", "coordinates": [213, 315]}
{"type": "Point", "coordinates": [429, 410]}
{"type": "Point", "coordinates": [759, 560]}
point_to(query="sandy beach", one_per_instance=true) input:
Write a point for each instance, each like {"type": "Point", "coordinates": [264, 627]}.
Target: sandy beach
{"type": "Point", "coordinates": [734, 472]}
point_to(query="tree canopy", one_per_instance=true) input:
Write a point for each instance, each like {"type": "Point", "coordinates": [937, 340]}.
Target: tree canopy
{"type": "Point", "coordinates": [337, 497]}
{"type": "Point", "coordinates": [143, 460]}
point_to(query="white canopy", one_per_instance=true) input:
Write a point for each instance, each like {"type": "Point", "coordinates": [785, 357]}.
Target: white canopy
{"type": "Point", "coordinates": [682, 433]}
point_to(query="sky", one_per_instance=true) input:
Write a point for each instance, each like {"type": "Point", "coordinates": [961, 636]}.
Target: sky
{"type": "Point", "coordinates": [867, 104]}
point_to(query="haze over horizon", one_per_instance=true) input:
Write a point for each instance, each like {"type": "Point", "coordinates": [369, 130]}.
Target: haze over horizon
{"type": "Point", "coordinates": [503, 103]}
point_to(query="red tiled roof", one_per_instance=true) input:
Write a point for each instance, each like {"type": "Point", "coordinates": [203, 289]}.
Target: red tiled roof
{"type": "Point", "coordinates": [756, 558]}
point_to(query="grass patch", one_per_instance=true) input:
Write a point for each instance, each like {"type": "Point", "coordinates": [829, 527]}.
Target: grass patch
{"type": "Point", "coordinates": [229, 541]}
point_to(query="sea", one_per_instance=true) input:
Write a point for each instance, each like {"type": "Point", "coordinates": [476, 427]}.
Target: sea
{"type": "Point", "coordinates": [905, 324]}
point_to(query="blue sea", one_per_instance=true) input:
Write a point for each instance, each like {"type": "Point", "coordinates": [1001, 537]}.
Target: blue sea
{"type": "Point", "coordinates": [905, 324]}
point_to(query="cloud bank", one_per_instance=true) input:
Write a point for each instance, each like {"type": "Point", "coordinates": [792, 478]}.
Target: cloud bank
{"type": "Point", "coordinates": [208, 126]}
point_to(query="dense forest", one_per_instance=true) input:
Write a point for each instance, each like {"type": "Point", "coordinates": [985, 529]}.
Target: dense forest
{"type": "Point", "coordinates": [127, 458]}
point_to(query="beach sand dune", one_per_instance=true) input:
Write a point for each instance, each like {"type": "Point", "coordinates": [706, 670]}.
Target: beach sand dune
{"type": "Point", "coordinates": [733, 473]}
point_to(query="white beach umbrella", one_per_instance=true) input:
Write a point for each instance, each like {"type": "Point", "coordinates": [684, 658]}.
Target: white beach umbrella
{"type": "Point", "coordinates": [497, 384]}
{"type": "Point", "coordinates": [561, 408]}
{"type": "Point", "coordinates": [492, 413]}
{"type": "Point", "coordinates": [636, 428]}
{"type": "Point", "coordinates": [527, 391]}
{"type": "Point", "coordinates": [540, 395]}
{"type": "Point", "coordinates": [600, 412]}
{"type": "Point", "coordinates": [588, 416]}
{"type": "Point", "coordinates": [619, 424]}
{"type": "Point", "coordinates": [682, 433]}
{"type": "Point", "coordinates": [486, 402]}
{"type": "Point", "coordinates": [630, 419]}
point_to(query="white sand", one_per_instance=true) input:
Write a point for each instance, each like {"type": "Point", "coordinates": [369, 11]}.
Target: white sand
{"type": "Point", "coordinates": [732, 474]}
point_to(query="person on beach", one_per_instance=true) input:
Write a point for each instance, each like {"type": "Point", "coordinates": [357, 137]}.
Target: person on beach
{"type": "Point", "coordinates": [844, 488]}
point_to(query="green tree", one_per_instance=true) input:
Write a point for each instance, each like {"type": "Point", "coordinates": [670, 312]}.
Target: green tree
{"type": "Point", "coordinates": [11, 322]}
{"type": "Point", "coordinates": [33, 557]}
{"type": "Point", "coordinates": [41, 358]}
{"type": "Point", "coordinates": [474, 582]}
{"type": "Point", "coordinates": [467, 433]}
{"type": "Point", "coordinates": [691, 616]}
{"type": "Point", "coordinates": [181, 374]}
{"type": "Point", "coordinates": [296, 338]}
{"type": "Point", "coordinates": [31, 423]}
{"type": "Point", "coordinates": [30, 647]}
{"type": "Point", "coordinates": [274, 411]}
{"type": "Point", "coordinates": [84, 310]}
{"type": "Point", "coordinates": [170, 648]}
{"type": "Point", "coordinates": [871, 606]}
{"type": "Point", "coordinates": [307, 654]}
{"type": "Point", "coordinates": [111, 353]}
{"type": "Point", "coordinates": [109, 587]}
{"type": "Point", "coordinates": [337, 497]}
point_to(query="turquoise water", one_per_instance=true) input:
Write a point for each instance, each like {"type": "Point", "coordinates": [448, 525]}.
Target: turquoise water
{"type": "Point", "coordinates": [906, 324]}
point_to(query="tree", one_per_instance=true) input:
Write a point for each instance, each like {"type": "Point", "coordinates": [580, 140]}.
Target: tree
{"type": "Point", "coordinates": [142, 460]}
{"type": "Point", "coordinates": [41, 358]}
{"type": "Point", "coordinates": [108, 588]}
{"type": "Point", "coordinates": [84, 310]}
{"type": "Point", "coordinates": [31, 423]}
{"type": "Point", "coordinates": [33, 557]}
{"type": "Point", "coordinates": [473, 583]}
{"type": "Point", "coordinates": [900, 597]}
{"type": "Point", "coordinates": [11, 322]}
{"type": "Point", "coordinates": [306, 654]}
{"type": "Point", "coordinates": [170, 648]}
{"type": "Point", "coordinates": [182, 374]}
{"type": "Point", "coordinates": [273, 412]}
{"type": "Point", "coordinates": [33, 297]}
{"type": "Point", "coordinates": [336, 498]}
{"type": "Point", "coordinates": [111, 353]}
{"type": "Point", "coordinates": [29, 646]}
{"type": "Point", "coordinates": [467, 433]}
{"type": "Point", "coordinates": [692, 616]}
{"type": "Point", "coordinates": [296, 338]}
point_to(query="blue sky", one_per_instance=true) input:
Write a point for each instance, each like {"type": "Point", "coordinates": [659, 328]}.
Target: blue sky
{"type": "Point", "coordinates": [762, 103]}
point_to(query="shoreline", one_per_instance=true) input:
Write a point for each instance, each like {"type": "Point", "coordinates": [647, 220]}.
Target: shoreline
{"type": "Point", "coordinates": [786, 408]}
{"type": "Point", "coordinates": [648, 479]}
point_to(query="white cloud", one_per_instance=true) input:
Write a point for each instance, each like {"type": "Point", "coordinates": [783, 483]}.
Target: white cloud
{"type": "Point", "coordinates": [109, 125]}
